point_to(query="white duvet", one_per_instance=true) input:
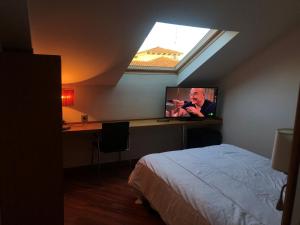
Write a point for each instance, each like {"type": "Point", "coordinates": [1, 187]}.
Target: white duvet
{"type": "Point", "coordinates": [216, 185]}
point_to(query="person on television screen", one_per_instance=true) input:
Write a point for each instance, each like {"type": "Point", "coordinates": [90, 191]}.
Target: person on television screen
{"type": "Point", "coordinates": [198, 106]}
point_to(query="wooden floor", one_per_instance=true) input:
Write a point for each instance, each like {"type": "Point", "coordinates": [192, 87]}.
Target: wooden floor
{"type": "Point", "coordinates": [104, 199]}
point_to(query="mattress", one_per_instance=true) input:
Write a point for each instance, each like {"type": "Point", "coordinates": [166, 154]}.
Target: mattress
{"type": "Point", "coordinates": [215, 185]}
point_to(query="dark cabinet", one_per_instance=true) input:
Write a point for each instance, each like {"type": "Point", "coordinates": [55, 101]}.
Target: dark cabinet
{"type": "Point", "coordinates": [31, 171]}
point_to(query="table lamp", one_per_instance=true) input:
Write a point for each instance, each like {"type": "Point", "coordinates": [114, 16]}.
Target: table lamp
{"type": "Point", "coordinates": [67, 97]}
{"type": "Point", "coordinates": [281, 155]}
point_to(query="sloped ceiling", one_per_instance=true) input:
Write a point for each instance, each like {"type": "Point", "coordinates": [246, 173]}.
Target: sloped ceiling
{"type": "Point", "coordinates": [97, 39]}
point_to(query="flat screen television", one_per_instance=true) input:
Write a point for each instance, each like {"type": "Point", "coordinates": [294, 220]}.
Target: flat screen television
{"type": "Point", "coordinates": [193, 103]}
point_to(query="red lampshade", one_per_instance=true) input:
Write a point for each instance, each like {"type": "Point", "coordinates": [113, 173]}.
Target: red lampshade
{"type": "Point", "coordinates": [67, 97]}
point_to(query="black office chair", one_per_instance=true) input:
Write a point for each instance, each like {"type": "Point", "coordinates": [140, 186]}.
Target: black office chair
{"type": "Point", "coordinates": [113, 137]}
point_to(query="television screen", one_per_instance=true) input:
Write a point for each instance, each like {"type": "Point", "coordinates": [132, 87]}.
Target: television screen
{"type": "Point", "coordinates": [196, 102]}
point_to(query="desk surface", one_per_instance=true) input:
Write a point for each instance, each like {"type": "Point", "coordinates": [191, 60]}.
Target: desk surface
{"type": "Point", "coordinates": [96, 126]}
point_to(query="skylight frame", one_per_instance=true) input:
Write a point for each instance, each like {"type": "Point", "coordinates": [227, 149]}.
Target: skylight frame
{"type": "Point", "coordinates": [204, 43]}
{"type": "Point", "coordinates": [209, 38]}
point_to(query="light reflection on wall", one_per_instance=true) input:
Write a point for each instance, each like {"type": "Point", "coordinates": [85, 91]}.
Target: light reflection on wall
{"type": "Point", "coordinates": [71, 115]}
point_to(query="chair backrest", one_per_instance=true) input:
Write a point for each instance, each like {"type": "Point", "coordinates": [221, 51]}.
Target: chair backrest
{"type": "Point", "coordinates": [114, 137]}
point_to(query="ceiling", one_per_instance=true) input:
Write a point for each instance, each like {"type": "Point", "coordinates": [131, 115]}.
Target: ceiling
{"type": "Point", "coordinates": [98, 39]}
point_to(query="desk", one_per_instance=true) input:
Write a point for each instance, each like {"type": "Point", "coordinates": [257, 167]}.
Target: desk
{"type": "Point", "coordinates": [146, 137]}
{"type": "Point", "coordinates": [96, 126]}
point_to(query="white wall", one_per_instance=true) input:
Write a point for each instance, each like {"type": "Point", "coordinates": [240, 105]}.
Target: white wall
{"type": "Point", "coordinates": [134, 97]}
{"type": "Point", "coordinates": [261, 95]}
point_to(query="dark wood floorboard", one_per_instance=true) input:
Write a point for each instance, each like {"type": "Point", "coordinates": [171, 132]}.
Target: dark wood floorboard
{"type": "Point", "coordinates": [104, 199]}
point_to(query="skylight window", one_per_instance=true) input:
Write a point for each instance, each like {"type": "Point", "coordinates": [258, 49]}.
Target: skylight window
{"type": "Point", "coordinates": [168, 46]}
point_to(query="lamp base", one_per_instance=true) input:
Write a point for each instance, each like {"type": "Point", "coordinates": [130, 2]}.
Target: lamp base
{"type": "Point", "coordinates": [279, 205]}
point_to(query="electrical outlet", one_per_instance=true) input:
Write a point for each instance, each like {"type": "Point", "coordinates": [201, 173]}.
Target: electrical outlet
{"type": "Point", "coordinates": [84, 118]}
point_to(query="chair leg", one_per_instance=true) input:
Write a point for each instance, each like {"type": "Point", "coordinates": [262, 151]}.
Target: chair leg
{"type": "Point", "coordinates": [92, 158]}
{"type": "Point", "coordinates": [98, 156]}
{"type": "Point", "coordinates": [119, 158]}
{"type": "Point", "coordinates": [98, 161]}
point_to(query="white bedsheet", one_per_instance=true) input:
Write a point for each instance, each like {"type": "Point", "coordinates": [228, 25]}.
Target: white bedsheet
{"type": "Point", "coordinates": [216, 185]}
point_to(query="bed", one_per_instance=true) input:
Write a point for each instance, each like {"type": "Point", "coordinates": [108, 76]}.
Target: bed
{"type": "Point", "coordinates": [214, 185]}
